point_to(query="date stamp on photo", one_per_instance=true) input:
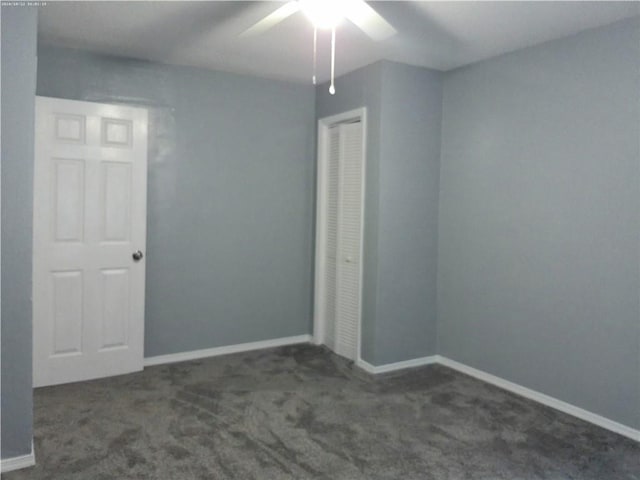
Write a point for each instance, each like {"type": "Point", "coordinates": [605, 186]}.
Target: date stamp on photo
{"type": "Point", "coordinates": [22, 4]}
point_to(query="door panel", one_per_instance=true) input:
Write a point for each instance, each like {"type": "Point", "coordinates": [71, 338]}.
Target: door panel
{"type": "Point", "coordinates": [333, 187]}
{"type": "Point", "coordinates": [89, 217]}
{"type": "Point", "coordinates": [116, 185]}
{"type": "Point", "coordinates": [66, 310]}
{"type": "Point", "coordinates": [349, 240]}
{"type": "Point", "coordinates": [68, 198]}
{"type": "Point", "coordinates": [115, 307]}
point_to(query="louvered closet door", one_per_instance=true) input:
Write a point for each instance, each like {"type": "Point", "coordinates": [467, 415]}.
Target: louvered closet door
{"type": "Point", "coordinates": [333, 185]}
{"type": "Point", "coordinates": [349, 240]}
{"type": "Point", "coordinates": [344, 237]}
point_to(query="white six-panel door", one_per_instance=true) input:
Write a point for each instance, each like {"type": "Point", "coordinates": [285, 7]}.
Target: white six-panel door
{"type": "Point", "coordinates": [89, 220]}
{"type": "Point", "coordinates": [340, 233]}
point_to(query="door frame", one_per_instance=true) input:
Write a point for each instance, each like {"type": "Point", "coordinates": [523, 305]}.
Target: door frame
{"type": "Point", "coordinates": [324, 124]}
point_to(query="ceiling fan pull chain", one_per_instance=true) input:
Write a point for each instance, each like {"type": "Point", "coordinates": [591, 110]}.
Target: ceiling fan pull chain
{"type": "Point", "coordinates": [315, 52]}
{"type": "Point", "coordinates": [332, 88]}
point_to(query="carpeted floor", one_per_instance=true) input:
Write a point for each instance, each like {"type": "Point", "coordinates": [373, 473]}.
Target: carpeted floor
{"type": "Point", "coordinates": [302, 413]}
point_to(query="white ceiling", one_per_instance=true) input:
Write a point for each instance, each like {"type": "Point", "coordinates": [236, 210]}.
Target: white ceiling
{"type": "Point", "coordinates": [439, 35]}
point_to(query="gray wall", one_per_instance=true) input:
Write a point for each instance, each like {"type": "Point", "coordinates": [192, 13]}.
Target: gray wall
{"type": "Point", "coordinates": [19, 28]}
{"type": "Point", "coordinates": [538, 243]}
{"type": "Point", "coordinates": [408, 213]}
{"type": "Point", "coordinates": [230, 196]}
{"type": "Point", "coordinates": [399, 287]}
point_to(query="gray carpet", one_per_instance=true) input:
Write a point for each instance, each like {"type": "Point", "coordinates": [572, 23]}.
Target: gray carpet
{"type": "Point", "coordinates": [302, 413]}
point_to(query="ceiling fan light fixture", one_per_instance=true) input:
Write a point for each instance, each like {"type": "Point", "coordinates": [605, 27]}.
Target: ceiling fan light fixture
{"type": "Point", "coordinates": [323, 14]}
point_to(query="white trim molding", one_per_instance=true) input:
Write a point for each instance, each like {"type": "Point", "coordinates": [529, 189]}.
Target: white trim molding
{"type": "Point", "coordinates": [543, 399]}
{"type": "Point", "coordinates": [226, 350]}
{"type": "Point", "coordinates": [390, 367]}
{"type": "Point", "coordinates": [17, 463]}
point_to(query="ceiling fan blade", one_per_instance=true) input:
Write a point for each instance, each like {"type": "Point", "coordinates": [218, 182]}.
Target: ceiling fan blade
{"type": "Point", "coordinates": [369, 21]}
{"type": "Point", "coordinates": [272, 19]}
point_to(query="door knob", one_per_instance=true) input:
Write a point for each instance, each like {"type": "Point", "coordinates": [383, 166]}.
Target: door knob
{"type": "Point", "coordinates": [348, 260]}
{"type": "Point", "coordinates": [137, 256]}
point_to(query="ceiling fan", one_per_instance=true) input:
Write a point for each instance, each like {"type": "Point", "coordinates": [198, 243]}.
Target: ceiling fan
{"type": "Point", "coordinates": [327, 15]}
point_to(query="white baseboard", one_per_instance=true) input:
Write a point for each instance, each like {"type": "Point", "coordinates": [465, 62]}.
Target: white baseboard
{"type": "Point", "coordinates": [226, 350]}
{"type": "Point", "coordinates": [390, 367]}
{"type": "Point", "coordinates": [16, 463]}
{"type": "Point", "coordinates": [542, 398]}
{"type": "Point", "coordinates": [510, 386]}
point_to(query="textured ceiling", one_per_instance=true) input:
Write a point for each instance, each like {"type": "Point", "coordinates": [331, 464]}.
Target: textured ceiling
{"type": "Point", "coordinates": [439, 35]}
